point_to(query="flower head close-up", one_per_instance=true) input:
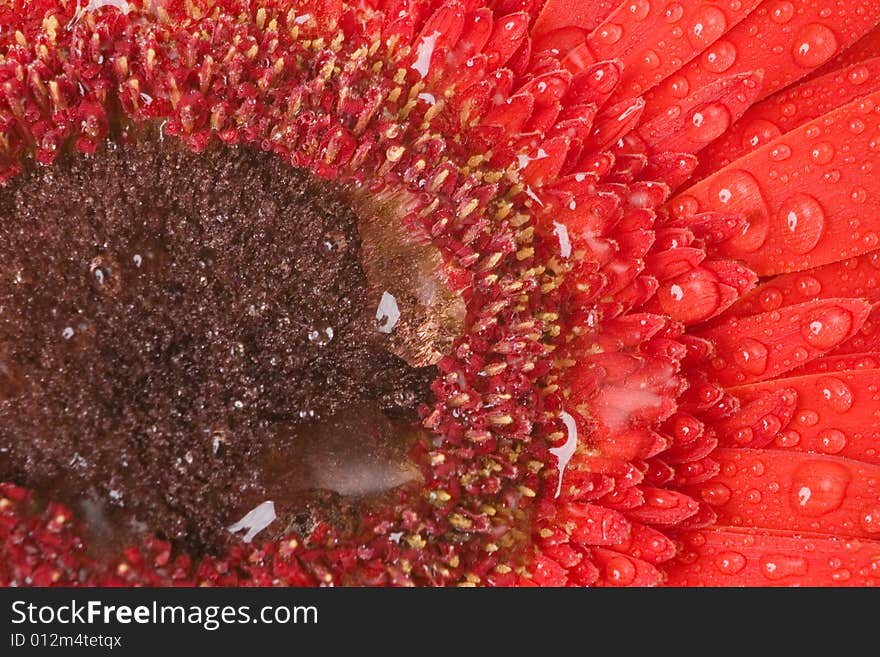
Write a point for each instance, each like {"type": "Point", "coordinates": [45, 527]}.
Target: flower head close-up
{"type": "Point", "coordinates": [440, 293]}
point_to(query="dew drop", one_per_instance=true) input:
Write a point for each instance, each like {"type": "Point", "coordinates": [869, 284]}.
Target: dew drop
{"type": "Point", "coordinates": [869, 519]}
{"type": "Point", "coordinates": [751, 356]}
{"type": "Point", "coordinates": [859, 195]}
{"type": "Point", "coordinates": [650, 59]}
{"type": "Point", "coordinates": [808, 418]}
{"type": "Point", "coordinates": [610, 33]}
{"type": "Point", "coordinates": [759, 132]}
{"type": "Point", "coordinates": [781, 12]}
{"type": "Point", "coordinates": [679, 86]}
{"type": "Point", "coordinates": [859, 75]}
{"type": "Point", "coordinates": [737, 190]}
{"type": "Point", "coordinates": [716, 494]}
{"type": "Point", "coordinates": [780, 153]}
{"type": "Point", "coordinates": [709, 122]}
{"type": "Point", "coordinates": [856, 126]}
{"type": "Point", "coordinates": [815, 44]}
{"type": "Point", "coordinates": [673, 12]}
{"type": "Point", "coordinates": [620, 571]}
{"type": "Point", "coordinates": [822, 152]}
{"type": "Point", "coordinates": [832, 441]}
{"type": "Point", "coordinates": [779, 566]}
{"type": "Point", "coordinates": [720, 57]}
{"type": "Point", "coordinates": [826, 327]}
{"type": "Point", "coordinates": [808, 286]}
{"type": "Point", "coordinates": [804, 219]}
{"type": "Point", "coordinates": [819, 487]}
{"type": "Point", "coordinates": [639, 9]}
{"type": "Point", "coordinates": [770, 299]}
{"type": "Point", "coordinates": [729, 562]}
{"type": "Point", "coordinates": [709, 24]}
{"type": "Point", "coordinates": [836, 393]}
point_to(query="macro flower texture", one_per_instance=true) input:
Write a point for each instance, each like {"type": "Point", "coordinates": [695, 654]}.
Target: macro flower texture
{"type": "Point", "coordinates": [440, 293]}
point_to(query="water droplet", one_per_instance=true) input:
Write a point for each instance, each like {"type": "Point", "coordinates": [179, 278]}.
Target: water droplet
{"type": "Point", "coordinates": [679, 86]}
{"type": "Point", "coordinates": [859, 75]}
{"type": "Point", "coordinates": [826, 327]}
{"type": "Point", "coordinates": [781, 12]}
{"type": "Point", "coordinates": [779, 566]}
{"type": "Point", "coordinates": [709, 24]}
{"type": "Point", "coordinates": [788, 439]}
{"type": "Point", "coordinates": [610, 33]}
{"type": "Point", "coordinates": [822, 152]}
{"type": "Point", "coordinates": [770, 299]}
{"type": "Point", "coordinates": [673, 12]}
{"type": "Point", "coordinates": [751, 356]}
{"type": "Point", "coordinates": [716, 494]}
{"type": "Point", "coordinates": [650, 59]}
{"type": "Point", "coordinates": [729, 562]}
{"type": "Point", "coordinates": [808, 286]}
{"type": "Point", "coordinates": [819, 487]}
{"type": "Point", "coordinates": [808, 418]}
{"type": "Point", "coordinates": [639, 9]}
{"type": "Point", "coordinates": [804, 219]}
{"type": "Point", "coordinates": [815, 44]}
{"type": "Point", "coordinates": [709, 122]}
{"type": "Point", "coordinates": [720, 57]}
{"type": "Point", "coordinates": [836, 393]}
{"type": "Point", "coordinates": [759, 132]}
{"type": "Point", "coordinates": [737, 190]}
{"type": "Point", "coordinates": [321, 337]}
{"type": "Point", "coordinates": [780, 153]}
{"type": "Point", "coordinates": [620, 571]}
{"type": "Point", "coordinates": [832, 441]}
{"type": "Point", "coordinates": [856, 126]}
{"type": "Point", "coordinates": [859, 195]}
{"type": "Point", "coordinates": [869, 519]}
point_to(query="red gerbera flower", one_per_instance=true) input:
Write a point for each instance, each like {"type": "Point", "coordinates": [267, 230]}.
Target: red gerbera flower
{"type": "Point", "coordinates": [658, 217]}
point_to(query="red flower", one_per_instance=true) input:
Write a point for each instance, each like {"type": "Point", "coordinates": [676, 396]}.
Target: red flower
{"type": "Point", "coordinates": [662, 216]}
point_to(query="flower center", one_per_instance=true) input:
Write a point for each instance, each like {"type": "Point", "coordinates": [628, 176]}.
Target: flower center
{"type": "Point", "coordinates": [185, 339]}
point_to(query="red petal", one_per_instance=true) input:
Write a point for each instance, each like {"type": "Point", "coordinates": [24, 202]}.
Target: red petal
{"type": "Point", "coordinates": [793, 491]}
{"type": "Point", "coordinates": [805, 203]}
{"type": "Point", "coordinates": [704, 116]}
{"type": "Point", "coordinates": [585, 14]}
{"type": "Point", "coordinates": [764, 346]}
{"type": "Point", "coordinates": [856, 277]}
{"type": "Point", "coordinates": [617, 569]}
{"type": "Point", "coordinates": [649, 39]}
{"type": "Point", "coordinates": [728, 556]}
{"type": "Point", "coordinates": [834, 413]}
{"type": "Point", "coordinates": [783, 43]}
{"type": "Point", "coordinates": [787, 110]}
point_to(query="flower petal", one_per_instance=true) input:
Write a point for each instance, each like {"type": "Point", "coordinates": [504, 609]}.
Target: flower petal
{"type": "Point", "coordinates": [804, 207]}
{"type": "Point", "coordinates": [833, 414]}
{"type": "Point", "coordinates": [786, 44]}
{"type": "Point", "coordinates": [765, 346]}
{"type": "Point", "coordinates": [794, 491]}
{"type": "Point", "coordinates": [730, 556]}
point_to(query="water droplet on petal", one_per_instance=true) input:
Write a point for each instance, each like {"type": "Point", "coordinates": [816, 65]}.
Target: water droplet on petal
{"type": "Point", "coordinates": [819, 487]}
{"type": "Point", "coordinates": [869, 519]}
{"type": "Point", "coordinates": [709, 24]}
{"type": "Point", "coordinates": [832, 441]}
{"type": "Point", "coordinates": [779, 566]}
{"type": "Point", "coordinates": [610, 33]}
{"type": "Point", "coordinates": [639, 9]}
{"type": "Point", "coordinates": [804, 220]}
{"type": "Point", "coordinates": [716, 494]}
{"type": "Point", "coordinates": [737, 190]}
{"type": "Point", "coordinates": [815, 44]}
{"type": "Point", "coordinates": [770, 299]}
{"type": "Point", "coordinates": [620, 571]}
{"type": "Point", "coordinates": [836, 393]}
{"type": "Point", "coordinates": [780, 153]}
{"type": "Point", "coordinates": [730, 563]}
{"type": "Point", "coordinates": [822, 153]}
{"type": "Point", "coordinates": [826, 327]}
{"type": "Point", "coordinates": [759, 132]}
{"type": "Point", "coordinates": [720, 57]}
{"type": "Point", "coordinates": [808, 286]}
{"type": "Point", "coordinates": [673, 12]}
{"type": "Point", "coordinates": [781, 12]}
{"type": "Point", "coordinates": [751, 356]}
{"type": "Point", "coordinates": [709, 122]}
